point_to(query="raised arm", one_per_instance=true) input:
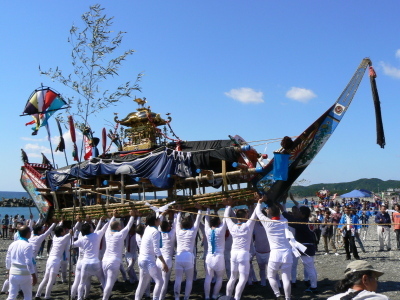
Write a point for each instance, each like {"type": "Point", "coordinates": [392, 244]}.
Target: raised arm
{"type": "Point", "coordinates": [174, 224]}
{"type": "Point", "coordinates": [260, 214]}
{"type": "Point", "coordinates": [227, 217]}
{"type": "Point", "coordinates": [106, 226]}
{"type": "Point", "coordinates": [48, 231]}
{"type": "Point", "coordinates": [31, 223]}
{"type": "Point", "coordinates": [98, 226]}
{"type": "Point", "coordinates": [40, 221]}
{"type": "Point", "coordinates": [253, 219]}
{"type": "Point", "coordinates": [207, 220]}
{"type": "Point", "coordinates": [78, 225]}
{"type": "Point", "coordinates": [178, 222]}
{"type": "Point", "coordinates": [294, 201]}
{"type": "Point", "coordinates": [126, 229]}
{"type": "Point", "coordinates": [197, 222]}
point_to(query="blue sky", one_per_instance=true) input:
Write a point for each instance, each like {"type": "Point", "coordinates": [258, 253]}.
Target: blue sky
{"type": "Point", "coordinates": [260, 69]}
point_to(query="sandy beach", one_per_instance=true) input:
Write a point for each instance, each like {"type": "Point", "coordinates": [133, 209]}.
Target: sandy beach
{"type": "Point", "coordinates": [330, 269]}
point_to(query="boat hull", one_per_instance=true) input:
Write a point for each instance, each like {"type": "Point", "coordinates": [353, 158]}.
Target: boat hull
{"type": "Point", "coordinates": [30, 184]}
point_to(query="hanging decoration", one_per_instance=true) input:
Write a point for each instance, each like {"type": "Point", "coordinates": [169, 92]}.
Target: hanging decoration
{"type": "Point", "coordinates": [41, 105]}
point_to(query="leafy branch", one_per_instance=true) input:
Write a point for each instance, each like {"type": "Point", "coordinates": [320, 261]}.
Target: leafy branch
{"type": "Point", "coordinates": [93, 62]}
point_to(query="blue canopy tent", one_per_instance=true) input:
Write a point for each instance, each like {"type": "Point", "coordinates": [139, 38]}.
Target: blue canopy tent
{"type": "Point", "coordinates": [355, 194]}
{"type": "Point", "coordinates": [369, 193]}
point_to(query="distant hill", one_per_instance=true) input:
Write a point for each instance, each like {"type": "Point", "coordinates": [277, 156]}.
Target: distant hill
{"type": "Point", "coordinates": [370, 184]}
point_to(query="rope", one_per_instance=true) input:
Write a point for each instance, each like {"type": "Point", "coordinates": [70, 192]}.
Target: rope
{"type": "Point", "coordinates": [307, 223]}
{"type": "Point", "coordinates": [244, 219]}
{"type": "Point", "coordinates": [149, 117]}
{"type": "Point", "coordinates": [270, 140]}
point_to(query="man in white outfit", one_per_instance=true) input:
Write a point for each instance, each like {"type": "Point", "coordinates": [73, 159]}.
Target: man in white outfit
{"type": "Point", "coordinates": [262, 249]}
{"type": "Point", "coordinates": [19, 262]}
{"type": "Point", "coordinates": [37, 239]}
{"type": "Point", "coordinates": [215, 232]}
{"type": "Point", "coordinates": [79, 262]}
{"type": "Point", "coordinates": [113, 255]}
{"type": "Point", "coordinates": [240, 254]}
{"type": "Point", "coordinates": [150, 249]}
{"type": "Point", "coordinates": [186, 232]}
{"type": "Point", "coordinates": [131, 252]}
{"type": "Point", "coordinates": [281, 251]}
{"type": "Point", "coordinates": [168, 236]}
{"type": "Point", "coordinates": [90, 244]}
{"type": "Point", "coordinates": [60, 243]}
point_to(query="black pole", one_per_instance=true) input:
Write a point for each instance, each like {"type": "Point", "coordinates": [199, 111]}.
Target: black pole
{"type": "Point", "coordinates": [51, 145]}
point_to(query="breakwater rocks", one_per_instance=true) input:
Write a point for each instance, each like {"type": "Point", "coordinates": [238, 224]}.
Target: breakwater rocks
{"type": "Point", "coordinates": [15, 202]}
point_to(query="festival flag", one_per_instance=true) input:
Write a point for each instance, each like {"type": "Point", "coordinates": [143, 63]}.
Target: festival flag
{"type": "Point", "coordinates": [42, 104]}
{"type": "Point", "coordinates": [307, 145]}
{"type": "Point", "coordinates": [104, 140]}
{"type": "Point", "coordinates": [73, 137]}
{"type": "Point", "coordinates": [88, 148]}
{"type": "Point", "coordinates": [45, 160]}
{"type": "Point", "coordinates": [61, 143]}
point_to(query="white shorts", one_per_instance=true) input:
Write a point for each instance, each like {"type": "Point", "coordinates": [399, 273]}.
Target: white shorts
{"type": "Point", "coordinates": [240, 261]}
{"type": "Point", "coordinates": [262, 258]}
{"type": "Point", "coordinates": [184, 260]}
{"type": "Point", "coordinates": [215, 262]}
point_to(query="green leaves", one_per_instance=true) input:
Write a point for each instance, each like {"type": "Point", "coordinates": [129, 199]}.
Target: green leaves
{"type": "Point", "coordinates": [94, 60]}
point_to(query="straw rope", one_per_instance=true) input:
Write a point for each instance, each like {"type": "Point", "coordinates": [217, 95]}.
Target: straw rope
{"type": "Point", "coordinates": [189, 201]}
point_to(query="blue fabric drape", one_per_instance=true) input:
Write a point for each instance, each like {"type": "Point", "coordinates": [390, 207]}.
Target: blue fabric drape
{"type": "Point", "coordinates": [281, 166]}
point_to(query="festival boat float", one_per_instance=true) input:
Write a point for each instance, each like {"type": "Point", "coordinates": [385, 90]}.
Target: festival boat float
{"type": "Point", "coordinates": [149, 163]}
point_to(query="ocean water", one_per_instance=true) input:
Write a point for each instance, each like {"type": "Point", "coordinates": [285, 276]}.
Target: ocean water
{"type": "Point", "coordinates": [22, 211]}
{"type": "Point", "coordinates": [12, 211]}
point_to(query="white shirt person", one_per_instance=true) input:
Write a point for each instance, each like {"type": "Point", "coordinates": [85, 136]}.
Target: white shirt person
{"type": "Point", "coordinates": [90, 244]}
{"type": "Point", "coordinates": [240, 254]}
{"type": "Point", "coordinates": [112, 258]}
{"type": "Point", "coordinates": [186, 232]}
{"type": "Point", "coordinates": [19, 262]}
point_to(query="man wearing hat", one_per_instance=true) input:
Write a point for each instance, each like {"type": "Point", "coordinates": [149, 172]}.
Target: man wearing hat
{"type": "Point", "coordinates": [360, 282]}
{"type": "Point", "coordinates": [383, 229]}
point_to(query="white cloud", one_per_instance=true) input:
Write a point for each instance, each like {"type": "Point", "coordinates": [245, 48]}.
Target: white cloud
{"type": "Point", "coordinates": [398, 53]}
{"type": "Point", "coordinates": [390, 70]}
{"type": "Point", "coordinates": [300, 94]}
{"type": "Point", "coordinates": [36, 148]}
{"type": "Point", "coordinates": [29, 139]}
{"type": "Point", "coordinates": [34, 155]}
{"type": "Point", "coordinates": [245, 95]}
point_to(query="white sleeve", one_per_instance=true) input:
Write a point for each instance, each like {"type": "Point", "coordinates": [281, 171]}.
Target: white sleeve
{"type": "Point", "coordinates": [127, 227]}
{"type": "Point", "coordinates": [106, 226]}
{"type": "Point", "coordinates": [259, 213]}
{"type": "Point", "coordinates": [228, 220]}
{"type": "Point", "coordinates": [197, 222]}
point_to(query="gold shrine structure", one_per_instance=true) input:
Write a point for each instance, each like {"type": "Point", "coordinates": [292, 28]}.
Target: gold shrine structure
{"type": "Point", "coordinates": [141, 132]}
